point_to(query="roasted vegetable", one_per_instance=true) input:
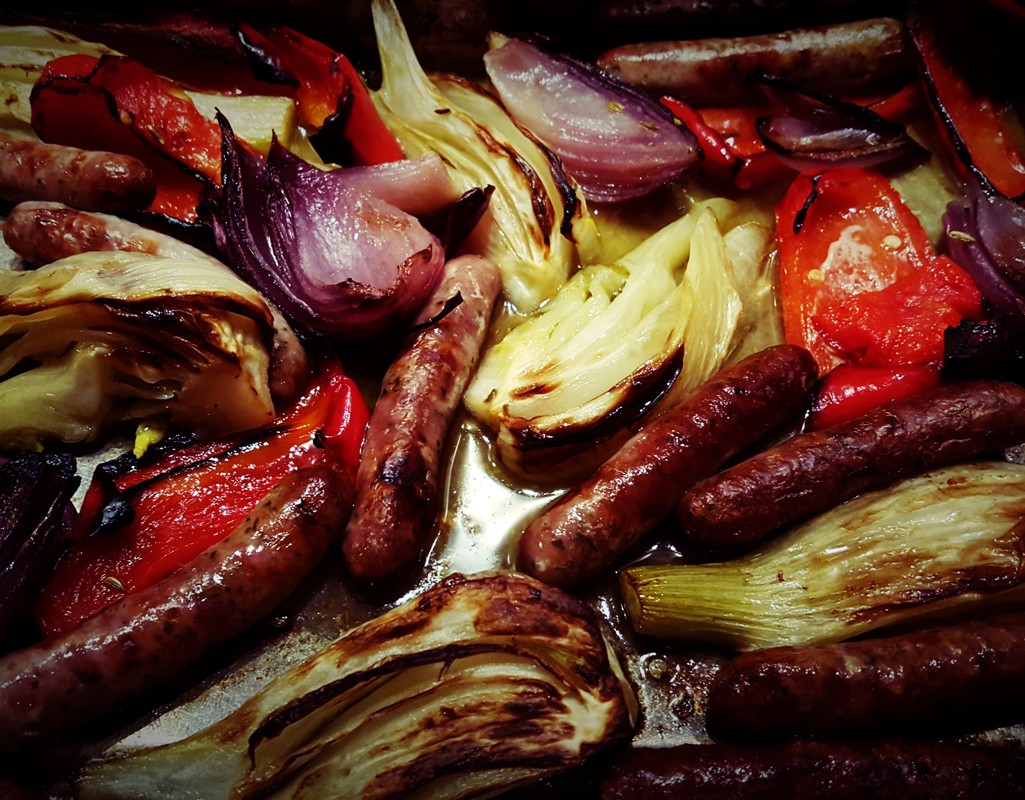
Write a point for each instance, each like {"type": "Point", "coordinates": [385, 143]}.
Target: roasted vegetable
{"type": "Point", "coordinates": [809, 130]}
{"type": "Point", "coordinates": [24, 51]}
{"type": "Point", "coordinates": [143, 519]}
{"type": "Point", "coordinates": [860, 282]}
{"type": "Point", "coordinates": [479, 684]}
{"type": "Point", "coordinates": [521, 233]}
{"type": "Point", "coordinates": [100, 338]}
{"type": "Point", "coordinates": [608, 344]}
{"type": "Point", "coordinates": [334, 256]}
{"type": "Point", "coordinates": [961, 52]}
{"type": "Point", "coordinates": [942, 542]}
{"type": "Point", "coordinates": [616, 141]}
{"type": "Point", "coordinates": [35, 516]}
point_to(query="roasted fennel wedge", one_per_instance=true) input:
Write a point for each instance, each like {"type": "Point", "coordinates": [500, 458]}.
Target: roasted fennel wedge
{"type": "Point", "coordinates": [102, 338]}
{"type": "Point", "coordinates": [561, 388]}
{"type": "Point", "coordinates": [521, 231]}
{"type": "Point", "coordinates": [929, 548]}
{"type": "Point", "coordinates": [478, 684]}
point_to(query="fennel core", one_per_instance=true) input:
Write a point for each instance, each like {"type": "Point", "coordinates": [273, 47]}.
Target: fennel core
{"type": "Point", "coordinates": [944, 542]}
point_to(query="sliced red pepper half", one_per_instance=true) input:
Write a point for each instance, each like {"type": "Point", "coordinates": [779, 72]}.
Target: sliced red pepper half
{"type": "Point", "coordinates": [965, 59]}
{"type": "Point", "coordinates": [849, 391]}
{"type": "Point", "coordinates": [142, 520]}
{"type": "Point", "coordinates": [115, 104]}
{"type": "Point", "coordinates": [860, 282]}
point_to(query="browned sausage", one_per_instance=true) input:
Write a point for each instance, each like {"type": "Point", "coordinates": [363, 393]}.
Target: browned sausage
{"type": "Point", "coordinates": [45, 231]}
{"type": "Point", "coordinates": [86, 179]}
{"type": "Point", "coordinates": [810, 770]}
{"type": "Point", "coordinates": [397, 483]}
{"type": "Point", "coordinates": [588, 528]}
{"type": "Point", "coordinates": [149, 637]}
{"type": "Point", "coordinates": [857, 56]}
{"type": "Point", "coordinates": [955, 678]}
{"type": "Point", "coordinates": [813, 471]}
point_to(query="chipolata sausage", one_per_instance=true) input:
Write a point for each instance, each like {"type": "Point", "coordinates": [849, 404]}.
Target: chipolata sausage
{"type": "Point", "coordinates": [956, 678]}
{"type": "Point", "coordinates": [811, 472]}
{"type": "Point", "coordinates": [55, 686]}
{"type": "Point", "coordinates": [86, 179]}
{"type": "Point", "coordinates": [397, 482]}
{"type": "Point", "coordinates": [632, 491]}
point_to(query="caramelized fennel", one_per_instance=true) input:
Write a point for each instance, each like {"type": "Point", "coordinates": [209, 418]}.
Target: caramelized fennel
{"type": "Point", "coordinates": [949, 540]}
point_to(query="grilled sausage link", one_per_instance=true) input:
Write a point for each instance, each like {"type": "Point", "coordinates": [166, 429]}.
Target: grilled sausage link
{"type": "Point", "coordinates": [397, 482]}
{"type": "Point", "coordinates": [859, 56]}
{"type": "Point", "coordinates": [45, 231]}
{"type": "Point", "coordinates": [804, 475]}
{"type": "Point", "coordinates": [589, 527]}
{"type": "Point", "coordinates": [86, 179]}
{"type": "Point", "coordinates": [811, 770]}
{"type": "Point", "coordinates": [149, 637]}
{"type": "Point", "coordinates": [959, 677]}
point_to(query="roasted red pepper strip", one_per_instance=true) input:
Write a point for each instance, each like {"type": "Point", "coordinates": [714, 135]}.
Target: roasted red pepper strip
{"type": "Point", "coordinates": [719, 161]}
{"type": "Point", "coordinates": [736, 126]}
{"type": "Point", "coordinates": [116, 104]}
{"type": "Point", "coordinates": [963, 57]}
{"type": "Point", "coordinates": [195, 496]}
{"type": "Point", "coordinates": [322, 85]}
{"type": "Point", "coordinates": [859, 280]}
{"type": "Point", "coordinates": [328, 85]}
{"type": "Point", "coordinates": [849, 391]}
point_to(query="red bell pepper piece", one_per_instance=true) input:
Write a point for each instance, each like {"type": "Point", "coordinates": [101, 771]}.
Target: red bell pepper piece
{"type": "Point", "coordinates": [719, 161]}
{"type": "Point", "coordinates": [193, 497]}
{"type": "Point", "coordinates": [322, 84]}
{"type": "Point", "coordinates": [849, 391]}
{"type": "Point", "coordinates": [758, 167]}
{"type": "Point", "coordinates": [328, 84]}
{"type": "Point", "coordinates": [902, 106]}
{"type": "Point", "coordinates": [964, 60]}
{"type": "Point", "coordinates": [115, 104]}
{"type": "Point", "coordinates": [859, 280]}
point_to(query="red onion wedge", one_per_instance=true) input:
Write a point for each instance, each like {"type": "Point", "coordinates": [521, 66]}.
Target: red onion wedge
{"type": "Point", "coordinates": [986, 236]}
{"type": "Point", "coordinates": [331, 255]}
{"type": "Point", "coordinates": [815, 130]}
{"type": "Point", "coordinates": [35, 516]}
{"type": "Point", "coordinates": [615, 141]}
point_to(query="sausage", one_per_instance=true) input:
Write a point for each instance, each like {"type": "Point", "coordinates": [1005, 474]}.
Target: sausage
{"type": "Point", "coordinates": [151, 636]}
{"type": "Point", "coordinates": [42, 232]}
{"type": "Point", "coordinates": [45, 231]}
{"type": "Point", "coordinates": [955, 678]}
{"type": "Point", "coordinates": [86, 179]}
{"type": "Point", "coordinates": [861, 56]}
{"type": "Point", "coordinates": [397, 481]}
{"type": "Point", "coordinates": [804, 475]}
{"type": "Point", "coordinates": [810, 770]}
{"type": "Point", "coordinates": [589, 527]}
